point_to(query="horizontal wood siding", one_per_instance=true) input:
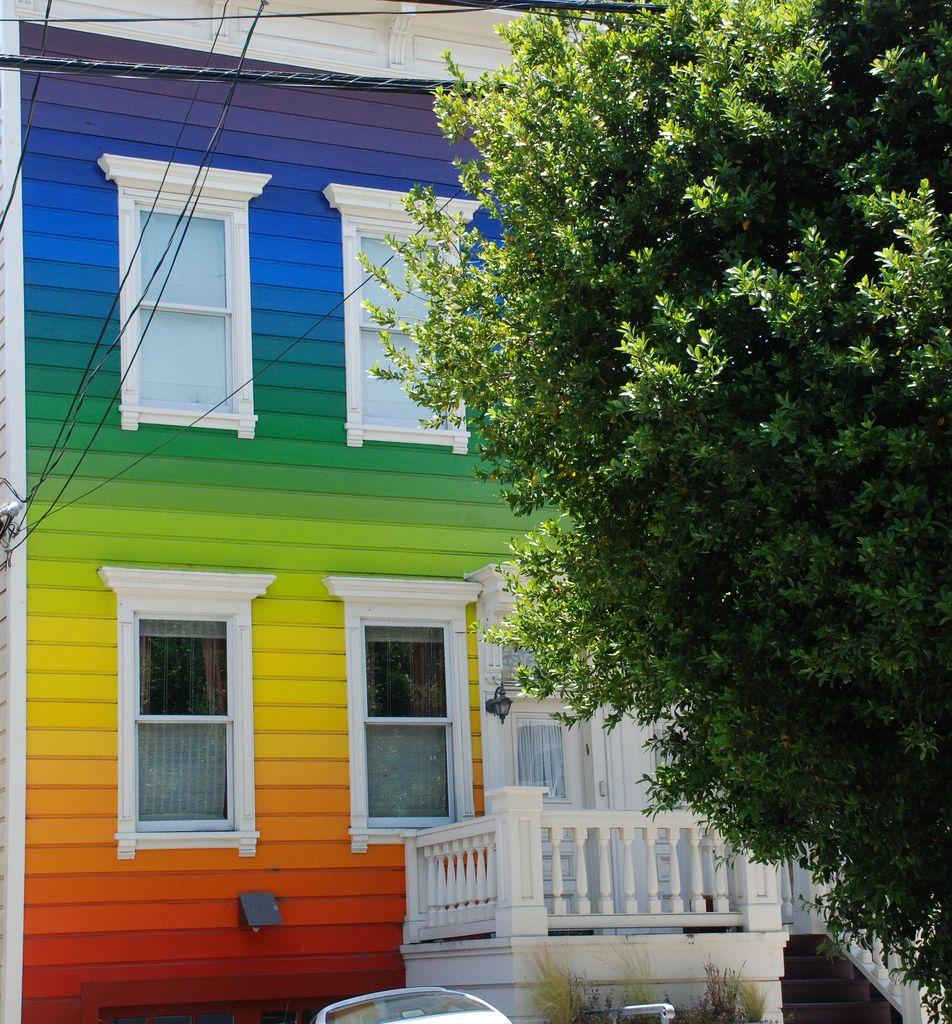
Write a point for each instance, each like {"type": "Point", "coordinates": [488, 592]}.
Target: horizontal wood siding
{"type": "Point", "coordinates": [295, 501]}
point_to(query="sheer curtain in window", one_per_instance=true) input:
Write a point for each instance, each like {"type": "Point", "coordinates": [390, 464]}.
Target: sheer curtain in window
{"type": "Point", "coordinates": [540, 755]}
{"type": "Point", "coordinates": [183, 761]}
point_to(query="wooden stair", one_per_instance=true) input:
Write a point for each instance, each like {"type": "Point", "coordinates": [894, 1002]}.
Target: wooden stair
{"type": "Point", "coordinates": [818, 989]}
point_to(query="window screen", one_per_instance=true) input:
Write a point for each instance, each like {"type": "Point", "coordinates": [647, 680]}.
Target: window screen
{"type": "Point", "coordinates": [408, 732]}
{"type": "Point", "coordinates": [183, 728]}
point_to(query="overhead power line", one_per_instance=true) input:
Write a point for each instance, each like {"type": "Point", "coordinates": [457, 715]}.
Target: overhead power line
{"type": "Point", "coordinates": [310, 79]}
{"type": "Point", "coordinates": [15, 184]}
{"type": "Point", "coordinates": [60, 445]}
{"type": "Point", "coordinates": [54, 508]}
{"type": "Point", "coordinates": [200, 176]}
{"type": "Point", "coordinates": [450, 7]}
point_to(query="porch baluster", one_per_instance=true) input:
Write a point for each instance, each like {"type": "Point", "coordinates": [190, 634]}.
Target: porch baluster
{"type": "Point", "coordinates": [721, 900]}
{"type": "Point", "coordinates": [677, 901]}
{"type": "Point", "coordinates": [469, 866]}
{"type": "Point", "coordinates": [479, 871]}
{"type": "Point", "coordinates": [582, 903]}
{"type": "Point", "coordinates": [604, 872]}
{"type": "Point", "coordinates": [628, 870]}
{"type": "Point", "coordinates": [879, 959]}
{"type": "Point", "coordinates": [698, 902]}
{"type": "Point", "coordinates": [491, 890]}
{"type": "Point", "coordinates": [432, 897]}
{"type": "Point", "coordinates": [558, 885]}
{"type": "Point", "coordinates": [786, 893]}
{"type": "Point", "coordinates": [442, 880]}
{"type": "Point", "coordinates": [651, 871]}
{"type": "Point", "coordinates": [454, 894]}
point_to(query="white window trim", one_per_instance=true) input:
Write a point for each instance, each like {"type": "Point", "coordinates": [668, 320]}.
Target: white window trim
{"type": "Point", "coordinates": [380, 212]}
{"type": "Point", "coordinates": [221, 193]}
{"type": "Point", "coordinates": [434, 602]}
{"type": "Point", "coordinates": [182, 594]}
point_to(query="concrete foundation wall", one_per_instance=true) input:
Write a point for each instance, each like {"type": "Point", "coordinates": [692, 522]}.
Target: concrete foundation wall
{"type": "Point", "coordinates": [503, 971]}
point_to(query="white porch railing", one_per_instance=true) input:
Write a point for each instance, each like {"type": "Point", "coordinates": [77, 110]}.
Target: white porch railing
{"type": "Point", "coordinates": [880, 968]}
{"type": "Point", "coordinates": [527, 868]}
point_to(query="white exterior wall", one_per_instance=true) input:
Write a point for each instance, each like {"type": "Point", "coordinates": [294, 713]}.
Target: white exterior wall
{"type": "Point", "coordinates": [13, 578]}
{"type": "Point", "coordinates": [502, 971]}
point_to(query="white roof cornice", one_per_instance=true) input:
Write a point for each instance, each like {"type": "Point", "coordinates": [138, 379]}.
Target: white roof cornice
{"type": "Point", "coordinates": [387, 36]}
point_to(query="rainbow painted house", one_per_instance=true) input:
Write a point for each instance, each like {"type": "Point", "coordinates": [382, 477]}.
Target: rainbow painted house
{"type": "Point", "coordinates": [248, 764]}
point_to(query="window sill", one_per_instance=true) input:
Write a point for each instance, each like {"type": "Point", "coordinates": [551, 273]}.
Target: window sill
{"type": "Point", "coordinates": [130, 842]}
{"type": "Point", "coordinates": [357, 433]}
{"type": "Point", "coordinates": [133, 415]}
{"type": "Point", "coordinates": [361, 838]}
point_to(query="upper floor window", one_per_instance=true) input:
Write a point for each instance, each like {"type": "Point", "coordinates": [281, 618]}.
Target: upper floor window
{"type": "Point", "coordinates": [186, 741]}
{"type": "Point", "coordinates": [380, 410]}
{"type": "Point", "coordinates": [408, 704]}
{"type": "Point", "coordinates": [186, 301]}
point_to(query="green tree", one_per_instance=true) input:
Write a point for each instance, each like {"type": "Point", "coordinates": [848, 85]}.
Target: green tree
{"type": "Point", "coordinates": [714, 338]}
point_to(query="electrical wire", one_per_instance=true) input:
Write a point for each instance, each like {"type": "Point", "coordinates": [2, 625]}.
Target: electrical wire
{"type": "Point", "coordinates": [202, 167]}
{"type": "Point", "coordinates": [188, 426]}
{"type": "Point", "coordinates": [311, 79]}
{"type": "Point", "coordinates": [56, 453]}
{"type": "Point", "coordinates": [452, 6]}
{"type": "Point", "coordinates": [14, 185]}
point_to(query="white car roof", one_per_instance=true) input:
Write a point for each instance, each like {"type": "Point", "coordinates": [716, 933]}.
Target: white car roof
{"type": "Point", "coordinates": [369, 996]}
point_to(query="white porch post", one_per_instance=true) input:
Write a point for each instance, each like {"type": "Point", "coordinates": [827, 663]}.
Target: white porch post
{"type": "Point", "coordinates": [757, 896]}
{"type": "Point", "coordinates": [517, 811]}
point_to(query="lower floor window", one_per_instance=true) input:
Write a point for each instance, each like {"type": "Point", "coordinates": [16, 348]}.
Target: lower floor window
{"type": "Point", "coordinates": [540, 755]}
{"type": "Point", "coordinates": [408, 730]}
{"type": "Point", "coordinates": [251, 1015]}
{"type": "Point", "coordinates": [183, 728]}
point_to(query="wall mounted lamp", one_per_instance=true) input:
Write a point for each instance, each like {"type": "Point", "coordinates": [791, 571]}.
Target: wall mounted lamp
{"type": "Point", "coordinates": [499, 704]}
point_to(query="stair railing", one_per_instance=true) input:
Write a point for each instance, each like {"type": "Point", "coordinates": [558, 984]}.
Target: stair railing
{"type": "Point", "coordinates": [876, 964]}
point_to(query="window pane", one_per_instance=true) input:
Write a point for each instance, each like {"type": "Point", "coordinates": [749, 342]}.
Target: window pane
{"type": "Point", "coordinates": [412, 307]}
{"type": "Point", "coordinates": [215, 1018]}
{"type": "Point", "coordinates": [512, 657]}
{"type": "Point", "coordinates": [540, 756]}
{"type": "Point", "coordinates": [182, 772]}
{"type": "Point", "coordinates": [183, 667]}
{"type": "Point", "coordinates": [385, 401]}
{"type": "Point", "coordinates": [184, 361]}
{"type": "Point", "coordinates": [406, 671]}
{"type": "Point", "coordinates": [180, 1019]}
{"type": "Point", "coordinates": [406, 771]}
{"type": "Point", "coordinates": [198, 271]}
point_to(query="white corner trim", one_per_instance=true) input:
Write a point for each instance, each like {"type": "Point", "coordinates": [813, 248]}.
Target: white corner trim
{"type": "Point", "coordinates": [380, 204]}
{"type": "Point", "coordinates": [129, 842]}
{"type": "Point", "coordinates": [240, 586]}
{"type": "Point", "coordinates": [370, 589]}
{"type": "Point", "coordinates": [13, 829]}
{"type": "Point", "coordinates": [134, 172]}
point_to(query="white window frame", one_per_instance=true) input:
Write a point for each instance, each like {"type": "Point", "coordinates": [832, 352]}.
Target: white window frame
{"type": "Point", "coordinates": [173, 594]}
{"type": "Point", "coordinates": [405, 602]}
{"type": "Point", "coordinates": [222, 195]}
{"type": "Point", "coordinates": [376, 213]}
